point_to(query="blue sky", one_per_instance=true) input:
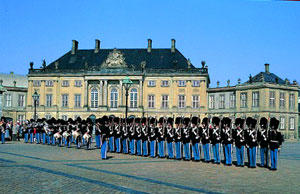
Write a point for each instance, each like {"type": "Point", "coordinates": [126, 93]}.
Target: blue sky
{"type": "Point", "coordinates": [235, 38]}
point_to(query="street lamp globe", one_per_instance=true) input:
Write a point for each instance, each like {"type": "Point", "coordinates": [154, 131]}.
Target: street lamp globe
{"type": "Point", "coordinates": [127, 83]}
{"type": "Point", "coordinates": [35, 96]}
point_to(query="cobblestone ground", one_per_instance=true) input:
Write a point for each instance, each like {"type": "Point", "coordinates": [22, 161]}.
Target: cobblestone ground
{"type": "Point", "coordinates": [31, 168]}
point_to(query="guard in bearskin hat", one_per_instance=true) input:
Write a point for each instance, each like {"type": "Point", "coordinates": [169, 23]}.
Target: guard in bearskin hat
{"type": "Point", "coordinates": [145, 132]}
{"type": "Point", "coordinates": [178, 137]}
{"type": "Point", "coordinates": [124, 135]}
{"type": "Point", "coordinates": [111, 142]}
{"type": "Point", "coordinates": [117, 134]}
{"type": "Point", "coordinates": [138, 130]}
{"type": "Point", "coordinates": [132, 136]}
{"type": "Point", "coordinates": [215, 139]}
{"type": "Point", "coordinates": [227, 139]}
{"type": "Point", "coordinates": [262, 138]}
{"type": "Point", "coordinates": [251, 139]}
{"type": "Point", "coordinates": [239, 139]}
{"type": "Point", "coordinates": [275, 142]}
{"type": "Point", "coordinates": [98, 132]}
{"type": "Point", "coordinates": [153, 130]}
{"type": "Point", "coordinates": [195, 136]}
{"type": "Point", "coordinates": [170, 138]}
{"type": "Point", "coordinates": [186, 138]}
{"type": "Point", "coordinates": [161, 137]}
{"type": "Point", "coordinates": [205, 137]}
{"type": "Point", "coordinates": [104, 129]}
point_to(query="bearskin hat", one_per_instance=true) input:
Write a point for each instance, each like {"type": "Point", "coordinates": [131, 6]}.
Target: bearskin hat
{"type": "Point", "coordinates": [205, 121]}
{"type": "Point", "coordinates": [78, 120]}
{"type": "Point", "coordinates": [170, 121]}
{"type": "Point", "coordinates": [178, 120]}
{"type": "Point", "coordinates": [274, 123]}
{"type": "Point", "coordinates": [216, 120]}
{"type": "Point", "coordinates": [263, 123]}
{"type": "Point", "coordinates": [195, 120]}
{"type": "Point", "coordinates": [253, 122]}
{"type": "Point", "coordinates": [248, 121]}
{"type": "Point", "coordinates": [137, 120]}
{"type": "Point", "coordinates": [161, 120]}
{"type": "Point", "coordinates": [186, 120]}
{"type": "Point", "coordinates": [152, 120]}
{"type": "Point", "coordinates": [144, 120]}
{"type": "Point", "coordinates": [116, 119]}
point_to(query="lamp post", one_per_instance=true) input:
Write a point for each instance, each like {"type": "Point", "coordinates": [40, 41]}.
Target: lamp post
{"type": "Point", "coordinates": [35, 97]}
{"type": "Point", "coordinates": [126, 83]}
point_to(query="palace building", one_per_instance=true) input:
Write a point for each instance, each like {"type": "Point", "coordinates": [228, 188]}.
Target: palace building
{"type": "Point", "coordinates": [264, 95]}
{"type": "Point", "coordinates": [88, 83]}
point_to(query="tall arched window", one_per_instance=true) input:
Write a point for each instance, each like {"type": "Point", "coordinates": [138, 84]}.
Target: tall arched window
{"type": "Point", "coordinates": [94, 98]}
{"type": "Point", "coordinates": [133, 98]}
{"type": "Point", "coordinates": [114, 98]}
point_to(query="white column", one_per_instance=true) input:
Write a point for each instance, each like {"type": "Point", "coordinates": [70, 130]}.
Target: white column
{"type": "Point", "coordinates": [121, 96]}
{"type": "Point", "coordinates": [101, 93]}
{"type": "Point", "coordinates": [105, 93]}
{"type": "Point", "coordinates": [141, 93]}
{"type": "Point", "coordinates": [86, 89]}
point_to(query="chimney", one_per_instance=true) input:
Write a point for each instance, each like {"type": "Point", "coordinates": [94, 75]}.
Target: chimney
{"type": "Point", "coordinates": [74, 46]}
{"type": "Point", "coordinates": [97, 46]}
{"type": "Point", "coordinates": [173, 45]}
{"type": "Point", "coordinates": [267, 68]}
{"type": "Point", "coordinates": [31, 65]}
{"type": "Point", "coordinates": [15, 83]}
{"type": "Point", "coordinates": [203, 64]}
{"type": "Point", "coordinates": [11, 73]}
{"type": "Point", "coordinates": [149, 46]}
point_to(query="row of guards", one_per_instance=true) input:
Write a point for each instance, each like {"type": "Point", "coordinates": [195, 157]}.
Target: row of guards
{"type": "Point", "coordinates": [180, 138]}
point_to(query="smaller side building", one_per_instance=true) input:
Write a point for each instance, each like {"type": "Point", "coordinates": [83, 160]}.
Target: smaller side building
{"type": "Point", "coordinates": [14, 95]}
{"type": "Point", "coordinates": [264, 95]}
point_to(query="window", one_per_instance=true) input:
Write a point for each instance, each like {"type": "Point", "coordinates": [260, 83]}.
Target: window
{"type": "Point", "coordinates": [243, 100]}
{"type": "Point", "coordinates": [282, 123]}
{"type": "Point", "coordinates": [8, 99]}
{"type": "Point", "coordinates": [114, 98]}
{"type": "Point", "coordinates": [49, 83]}
{"type": "Point", "coordinates": [36, 83]}
{"type": "Point", "coordinates": [211, 102]}
{"type": "Point", "coordinates": [196, 83]}
{"type": "Point", "coordinates": [48, 100]}
{"type": "Point", "coordinates": [21, 100]}
{"type": "Point", "coordinates": [292, 123]}
{"type": "Point", "coordinates": [282, 100]}
{"type": "Point", "coordinates": [151, 83]}
{"type": "Point", "coordinates": [195, 101]}
{"type": "Point", "coordinates": [164, 101]}
{"type": "Point", "coordinates": [232, 101]}
{"type": "Point", "coordinates": [292, 101]}
{"type": "Point", "coordinates": [77, 83]}
{"type": "Point", "coordinates": [21, 118]}
{"type": "Point", "coordinates": [181, 83]}
{"type": "Point", "coordinates": [151, 100]}
{"type": "Point", "coordinates": [65, 100]}
{"type": "Point", "coordinates": [65, 83]}
{"type": "Point", "coordinates": [48, 117]}
{"type": "Point", "coordinates": [272, 99]}
{"type": "Point", "coordinates": [181, 101]}
{"type": "Point", "coordinates": [64, 117]}
{"type": "Point", "coordinates": [77, 100]}
{"type": "Point", "coordinates": [255, 99]}
{"type": "Point", "coordinates": [164, 83]}
{"type": "Point", "coordinates": [133, 98]}
{"type": "Point", "coordinates": [94, 98]}
{"type": "Point", "coordinates": [222, 101]}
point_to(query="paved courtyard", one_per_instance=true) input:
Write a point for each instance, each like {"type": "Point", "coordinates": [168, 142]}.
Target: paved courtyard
{"type": "Point", "coordinates": [31, 168]}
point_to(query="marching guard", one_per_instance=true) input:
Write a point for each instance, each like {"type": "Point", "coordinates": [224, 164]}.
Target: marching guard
{"type": "Point", "coordinates": [161, 137]}
{"type": "Point", "coordinates": [252, 141]}
{"type": "Point", "coordinates": [178, 137]}
{"type": "Point", "coordinates": [204, 131]}
{"type": "Point", "coordinates": [195, 136]}
{"type": "Point", "coordinates": [145, 132]}
{"type": "Point", "coordinates": [117, 132]}
{"type": "Point", "coordinates": [262, 138]}
{"type": "Point", "coordinates": [138, 136]}
{"type": "Point", "coordinates": [104, 130]}
{"type": "Point", "coordinates": [215, 139]}
{"type": "Point", "coordinates": [170, 138]}
{"type": "Point", "coordinates": [227, 140]}
{"type": "Point", "coordinates": [153, 137]}
{"type": "Point", "coordinates": [124, 135]}
{"type": "Point", "coordinates": [239, 139]}
{"type": "Point", "coordinates": [132, 135]}
{"type": "Point", "coordinates": [186, 139]}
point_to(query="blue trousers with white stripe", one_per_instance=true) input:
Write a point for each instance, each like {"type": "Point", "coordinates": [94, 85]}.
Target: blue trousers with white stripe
{"type": "Point", "coordinates": [132, 147]}
{"type": "Point", "coordinates": [118, 144]}
{"type": "Point", "coordinates": [264, 160]}
{"type": "Point", "coordinates": [111, 144]}
{"type": "Point", "coordinates": [206, 152]}
{"type": "Point", "coordinates": [228, 159]}
{"type": "Point", "coordinates": [274, 158]}
{"type": "Point", "coordinates": [31, 137]}
{"type": "Point", "coordinates": [25, 137]}
{"type": "Point", "coordinates": [252, 156]}
{"type": "Point", "coordinates": [161, 149]}
{"type": "Point", "coordinates": [216, 151]}
{"type": "Point", "coordinates": [153, 148]}
{"type": "Point", "coordinates": [170, 150]}
{"type": "Point", "coordinates": [37, 138]}
{"type": "Point", "coordinates": [240, 155]}
{"type": "Point", "coordinates": [196, 151]}
{"type": "Point", "coordinates": [44, 137]}
{"type": "Point", "coordinates": [3, 138]}
{"type": "Point", "coordinates": [178, 148]}
{"type": "Point", "coordinates": [97, 138]}
{"type": "Point", "coordinates": [145, 148]}
{"type": "Point", "coordinates": [125, 146]}
{"type": "Point", "coordinates": [104, 150]}
{"type": "Point", "coordinates": [187, 152]}
{"type": "Point", "coordinates": [139, 147]}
